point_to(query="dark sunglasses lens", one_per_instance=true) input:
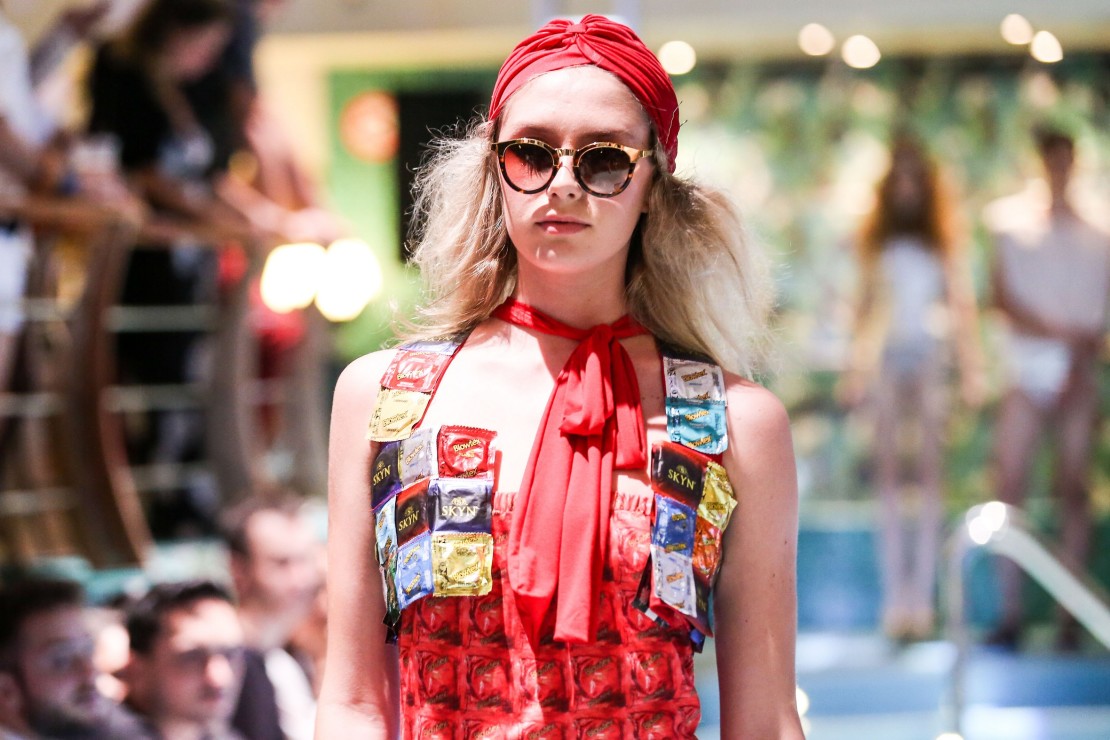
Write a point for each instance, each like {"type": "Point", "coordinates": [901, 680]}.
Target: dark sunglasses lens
{"type": "Point", "coordinates": [604, 170]}
{"type": "Point", "coordinates": [527, 166]}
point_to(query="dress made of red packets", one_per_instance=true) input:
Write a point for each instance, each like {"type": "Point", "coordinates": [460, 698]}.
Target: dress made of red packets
{"type": "Point", "coordinates": [467, 668]}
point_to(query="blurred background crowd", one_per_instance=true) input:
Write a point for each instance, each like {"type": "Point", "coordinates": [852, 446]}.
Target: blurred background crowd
{"type": "Point", "coordinates": [203, 209]}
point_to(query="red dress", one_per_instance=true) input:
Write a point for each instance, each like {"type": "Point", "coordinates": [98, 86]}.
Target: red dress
{"type": "Point", "coordinates": [467, 668]}
{"type": "Point", "coordinates": [467, 671]}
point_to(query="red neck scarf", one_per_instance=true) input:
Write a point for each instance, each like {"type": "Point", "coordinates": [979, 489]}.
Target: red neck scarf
{"type": "Point", "coordinates": [593, 424]}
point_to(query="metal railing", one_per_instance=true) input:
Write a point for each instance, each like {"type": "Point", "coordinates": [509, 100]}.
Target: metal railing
{"type": "Point", "coordinates": [1004, 531]}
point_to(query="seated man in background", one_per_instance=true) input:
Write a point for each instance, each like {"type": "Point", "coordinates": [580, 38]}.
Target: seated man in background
{"type": "Point", "coordinates": [275, 567]}
{"type": "Point", "coordinates": [47, 678]}
{"type": "Point", "coordinates": [186, 662]}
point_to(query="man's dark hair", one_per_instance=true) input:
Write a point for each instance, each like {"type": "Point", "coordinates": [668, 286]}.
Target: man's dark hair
{"type": "Point", "coordinates": [233, 521]}
{"type": "Point", "coordinates": [23, 599]}
{"type": "Point", "coordinates": [145, 618]}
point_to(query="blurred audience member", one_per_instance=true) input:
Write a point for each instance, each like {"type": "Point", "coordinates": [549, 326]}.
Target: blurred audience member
{"type": "Point", "coordinates": [47, 677]}
{"type": "Point", "coordinates": [186, 661]}
{"type": "Point", "coordinates": [26, 163]}
{"type": "Point", "coordinates": [308, 644]}
{"type": "Point", "coordinates": [1051, 282]}
{"type": "Point", "coordinates": [274, 562]}
{"type": "Point", "coordinates": [916, 301]}
{"type": "Point", "coordinates": [111, 649]}
{"type": "Point", "coordinates": [151, 90]}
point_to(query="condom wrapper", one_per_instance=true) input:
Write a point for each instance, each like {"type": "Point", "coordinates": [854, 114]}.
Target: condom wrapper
{"type": "Point", "coordinates": [653, 726]}
{"type": "Point", "coordinates": [650, 676]}
{"type": "Point", "coordinates": [412, 370]}
{"type": "Point", "coordinates": [447, 346]}
{"type": "Point", "coordinates": [412, 512]}
{"type": "Point", "coordinates": [693, 380]}
{"type": "Point", "coordinates": [545, 679]}
{"type": "Point", "coordinates": [678, 472]}
{"type": "Point", "coordinates": [461, 505]}
{"type": "Point", "coordinates": [417, 456]}
{"type": "Point", "coordinates": [465, 452]}
{"type": "Point", "coordinates": [673, 530]}
{"type": "Point", "coordinates": [597, 679]}
{"type": "Point", "coordinates": [414, 570]}
{"type": "Point", "coordinates": [698, 424]}
{"type": "Point", "coordinates": [718, 499]}
{"type": "Point", "coordinates": [602, 727]}
{"type": "Point", "coordinates": [707, 550]}
{"type": "Point", "coordinates": [385, 537]}
{"type": "Point", "coordinates": [674, 581]}
{"type": "Point", "coordinates": [462, 564]}
{"type": "Point", "coordinates": [396, 413]}
{"type": "Point", "coordinates": [385, 480]}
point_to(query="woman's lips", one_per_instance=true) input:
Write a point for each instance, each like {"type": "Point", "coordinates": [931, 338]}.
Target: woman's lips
{"type": "Point", "coordinates": [562, 226]}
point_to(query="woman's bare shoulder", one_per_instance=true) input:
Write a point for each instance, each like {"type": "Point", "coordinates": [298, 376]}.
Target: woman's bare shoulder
{"type": "Point", "coordinates": [362, 377]}
{"type": "Point", "coordinates": [754, 412]}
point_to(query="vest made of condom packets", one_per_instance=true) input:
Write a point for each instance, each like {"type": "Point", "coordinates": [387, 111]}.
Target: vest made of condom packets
{"type": "Point", "coordinates": [432, 492]}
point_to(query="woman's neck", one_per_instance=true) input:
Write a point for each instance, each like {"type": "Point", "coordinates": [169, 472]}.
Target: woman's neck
{"type": "Point", "coordinates": [579, 300]}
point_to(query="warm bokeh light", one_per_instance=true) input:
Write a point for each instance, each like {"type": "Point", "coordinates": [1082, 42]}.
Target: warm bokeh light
{"type": "Point", "coordinates": [350, 279]}
{"type": "Point", "coordinates": [1046, 48]}
{"type": "Point", "coordinates": [677, 57]}
{"type": "Point", "coordinates": [1016, 29]}
{"type": "Point", "coordinates": [816, 40]}
{"type": "Point", "coordinates": [290, 276]}
{"type": "Point", "coordinates": [860, 52]}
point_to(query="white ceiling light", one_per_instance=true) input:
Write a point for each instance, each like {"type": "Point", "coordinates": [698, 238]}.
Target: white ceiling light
{"type": "Point", "coordinates": [860, 52]}
{"type": "Point", "coordinates": [816, 40]}
{"type": "Point", "coordinates": [1046, 48]}
{"type": "Point", "coordinates": [1016, 30]}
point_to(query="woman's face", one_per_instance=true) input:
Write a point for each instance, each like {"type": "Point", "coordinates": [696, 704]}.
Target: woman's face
{"type": "Point", "coordinates": [563, 229]}
{"type": "Point", "coordinates": [192, 52]}
{"type": "Point", "coordinates": [907, 183]}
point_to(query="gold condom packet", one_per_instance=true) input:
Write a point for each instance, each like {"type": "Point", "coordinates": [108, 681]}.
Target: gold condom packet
{"type": "Point", "coordinates": [718, 499]}
{"type": "Point", "coordinates": [462, 563]}
{"type": "Point", "coordinates": [396, 413]}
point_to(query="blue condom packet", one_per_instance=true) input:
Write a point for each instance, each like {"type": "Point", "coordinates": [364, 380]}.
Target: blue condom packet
{"type": "Point", "coordinates": [673, 531]}
{"type": "Point", "coordinates": [414, 570]}
{"type": "Point", "coordinates": [698, 424]}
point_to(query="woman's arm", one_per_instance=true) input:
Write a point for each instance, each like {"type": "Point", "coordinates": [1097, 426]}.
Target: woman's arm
{"type": "Point", "coordinates": [359, 695]}
{"type": "Point", "coordinates": [755, 601]}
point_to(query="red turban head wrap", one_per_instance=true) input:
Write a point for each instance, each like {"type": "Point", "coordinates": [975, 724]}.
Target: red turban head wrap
{"type": "Point", "coordinates": [595, 40]}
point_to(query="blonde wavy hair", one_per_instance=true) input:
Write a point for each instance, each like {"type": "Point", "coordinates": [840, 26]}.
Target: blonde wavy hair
{"type": "Point", "coordinates": [693, 280]}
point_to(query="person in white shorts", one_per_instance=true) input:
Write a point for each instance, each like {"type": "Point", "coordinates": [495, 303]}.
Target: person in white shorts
{"type": "Point", "coordinates": [1051, 282]}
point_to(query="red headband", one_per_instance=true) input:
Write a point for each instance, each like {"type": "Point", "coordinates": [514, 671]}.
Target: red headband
{"type": "Point", "coordinates": [595, 40]}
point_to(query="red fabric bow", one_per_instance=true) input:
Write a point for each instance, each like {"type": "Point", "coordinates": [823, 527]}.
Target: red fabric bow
{"type": "Point", "coordinates": [593, 424]}
{"type": "Point", "coordinates": [595, 40]}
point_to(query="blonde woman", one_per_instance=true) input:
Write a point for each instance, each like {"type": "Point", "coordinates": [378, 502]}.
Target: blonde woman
{"type": "Point", "coordinates": [569, 482]}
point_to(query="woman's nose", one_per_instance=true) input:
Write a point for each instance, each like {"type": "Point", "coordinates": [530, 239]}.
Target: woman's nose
{"type": "Point", "coordinates": [564, 184]}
